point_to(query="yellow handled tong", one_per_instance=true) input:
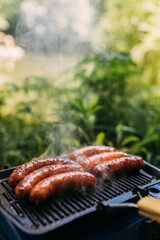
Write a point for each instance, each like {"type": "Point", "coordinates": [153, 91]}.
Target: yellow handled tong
{"type": "Point", "coordinates": [146, 206]}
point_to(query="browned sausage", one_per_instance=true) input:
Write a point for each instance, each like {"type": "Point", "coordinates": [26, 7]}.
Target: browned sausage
{"type": "Point", "coordinates": [60, 182]}
{"type": "Point", "coordinates": [81, 153]}
{"type": "Point", "coordinates": [24, 187]}
{"type": "Point", "coordinates": [89, 162]}
{"type": "Point", "coordinates": [117, 165]}
{"type": "Point", "coordinates": [20, 172]}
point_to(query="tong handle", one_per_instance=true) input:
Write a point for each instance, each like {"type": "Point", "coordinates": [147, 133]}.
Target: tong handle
{"type": "Point", "coordinates": [149, 207]}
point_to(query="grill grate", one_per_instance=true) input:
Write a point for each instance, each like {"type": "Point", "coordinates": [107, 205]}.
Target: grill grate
{"type": "Point", "coordinates": [66, 206]}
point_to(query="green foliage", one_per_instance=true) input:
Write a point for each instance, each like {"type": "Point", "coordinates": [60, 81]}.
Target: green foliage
{"type": "Point", "coordinates": [107, 81]}
{"type": "Point", "coordinates": [9, 13]}
{"type": "Point", "coordinates": [83, 110]}
{"type": "Point", "coordinates": [134, 27]}
{"type": "Point", "coordinates": [105, 109]}
{"type": "Point", "coordinates": [99, 101]}
{"type": "Point", "coordinates": [19, 140]}
{"type": "Point", "coordinates": [114, 101]}
{"type": "Point", "coordinates": [137, 143]}
{"type": "Point", "coordinates": [23, 128]}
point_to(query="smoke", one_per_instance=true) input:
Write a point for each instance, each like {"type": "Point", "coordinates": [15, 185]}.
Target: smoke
{"type": "Point", "coordinates": [61, 141]}
{"type": "Point", "coordinates": [55, 26]}
{"type": "Point", "coordinates": [57, 29]}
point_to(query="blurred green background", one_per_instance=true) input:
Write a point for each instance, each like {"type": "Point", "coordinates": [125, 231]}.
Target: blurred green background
{"type": "Point", "coordinates": [75, 73]}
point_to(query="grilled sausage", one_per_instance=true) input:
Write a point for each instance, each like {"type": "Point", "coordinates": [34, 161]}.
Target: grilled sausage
{"type": "Point", "coordinates": [20, 172]}
{"type": "Point", "coordinates": [24, 187]}
{"type": "Point", "coordinates": [117, 165]}
{"type": "Point", "coordinates": [90, 162]}
{"type": "Point", "coordinates": [60, 182]}
{"type": "Point", "coordinates": [81, 153]}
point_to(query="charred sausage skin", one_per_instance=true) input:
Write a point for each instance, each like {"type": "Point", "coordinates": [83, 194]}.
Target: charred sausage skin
{"type": "Point", "coordinates": [117, 165]}
{"type": "Point", "coordinates": [60, 182]}
{"type": "Point", "coordinates": [79, 154]}
{"type": "Point", "coordinates": [24, 187]}
{"type": "Point", "coordinates": [20, 172]}
{"type": "Point", "coordinates": [89, 162]}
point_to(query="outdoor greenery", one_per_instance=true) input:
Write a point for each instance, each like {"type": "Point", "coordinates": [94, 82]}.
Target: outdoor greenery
{"type": "Point", "coordinates": [107, 110]}
{"type": "Point", "coordinates": [111, 96]}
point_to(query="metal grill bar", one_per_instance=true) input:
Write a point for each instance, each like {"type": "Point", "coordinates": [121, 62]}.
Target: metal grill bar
{"type": "Point", "coordinates": [63, 208]}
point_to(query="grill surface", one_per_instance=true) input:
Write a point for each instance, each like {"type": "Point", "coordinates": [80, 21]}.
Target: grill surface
{"type": "Point", "coordinates": [67, 206]}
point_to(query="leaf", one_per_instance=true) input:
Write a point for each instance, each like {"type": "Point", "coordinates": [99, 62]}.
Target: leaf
{"type": "Point", "coordinates": [129, 140]}
{"type": "Point", "coordinates": [93, 102]}
{"type": "Point", "coordinates": [14, 153]}
{"type": "Point", "coordinates": [120, 128]}
{"type": "Point", "coordinates": [91, 122]}
{"type": "Point", "coordinates": [94, 110]}
{"type": "Point", "coordinates": [150, 131]}
{"type": "Point", "coordinates": [39, 142]}
{"type": "Point", "coordinates": [100, 138]}
{"type": "Point", "coordinates": [150, 139]}
{"type": "Point", "coordinates": [77, 104]}
{"type": "Point", "coordinates": [119, 132]}
{"type": "Point", "coordinates": [137, 147]}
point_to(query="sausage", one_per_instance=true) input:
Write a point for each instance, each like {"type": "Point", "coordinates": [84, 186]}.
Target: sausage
{"type": "Point", "coordinates": [117, 165]}
{"type": "Point", "coordinates": [20, 172]}
{"type": "Point", "coordinates": [28, 182]}
{"type": "Point", "coordinates": [90, 162]}
{"type": "Point", "coordinates": [60, 182]}
{"type": "Point", "coordinates": [81, 153]}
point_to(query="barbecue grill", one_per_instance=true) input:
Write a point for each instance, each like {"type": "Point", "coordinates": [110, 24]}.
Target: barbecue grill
{"type": "Point", "coordinates": [82, 214]}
